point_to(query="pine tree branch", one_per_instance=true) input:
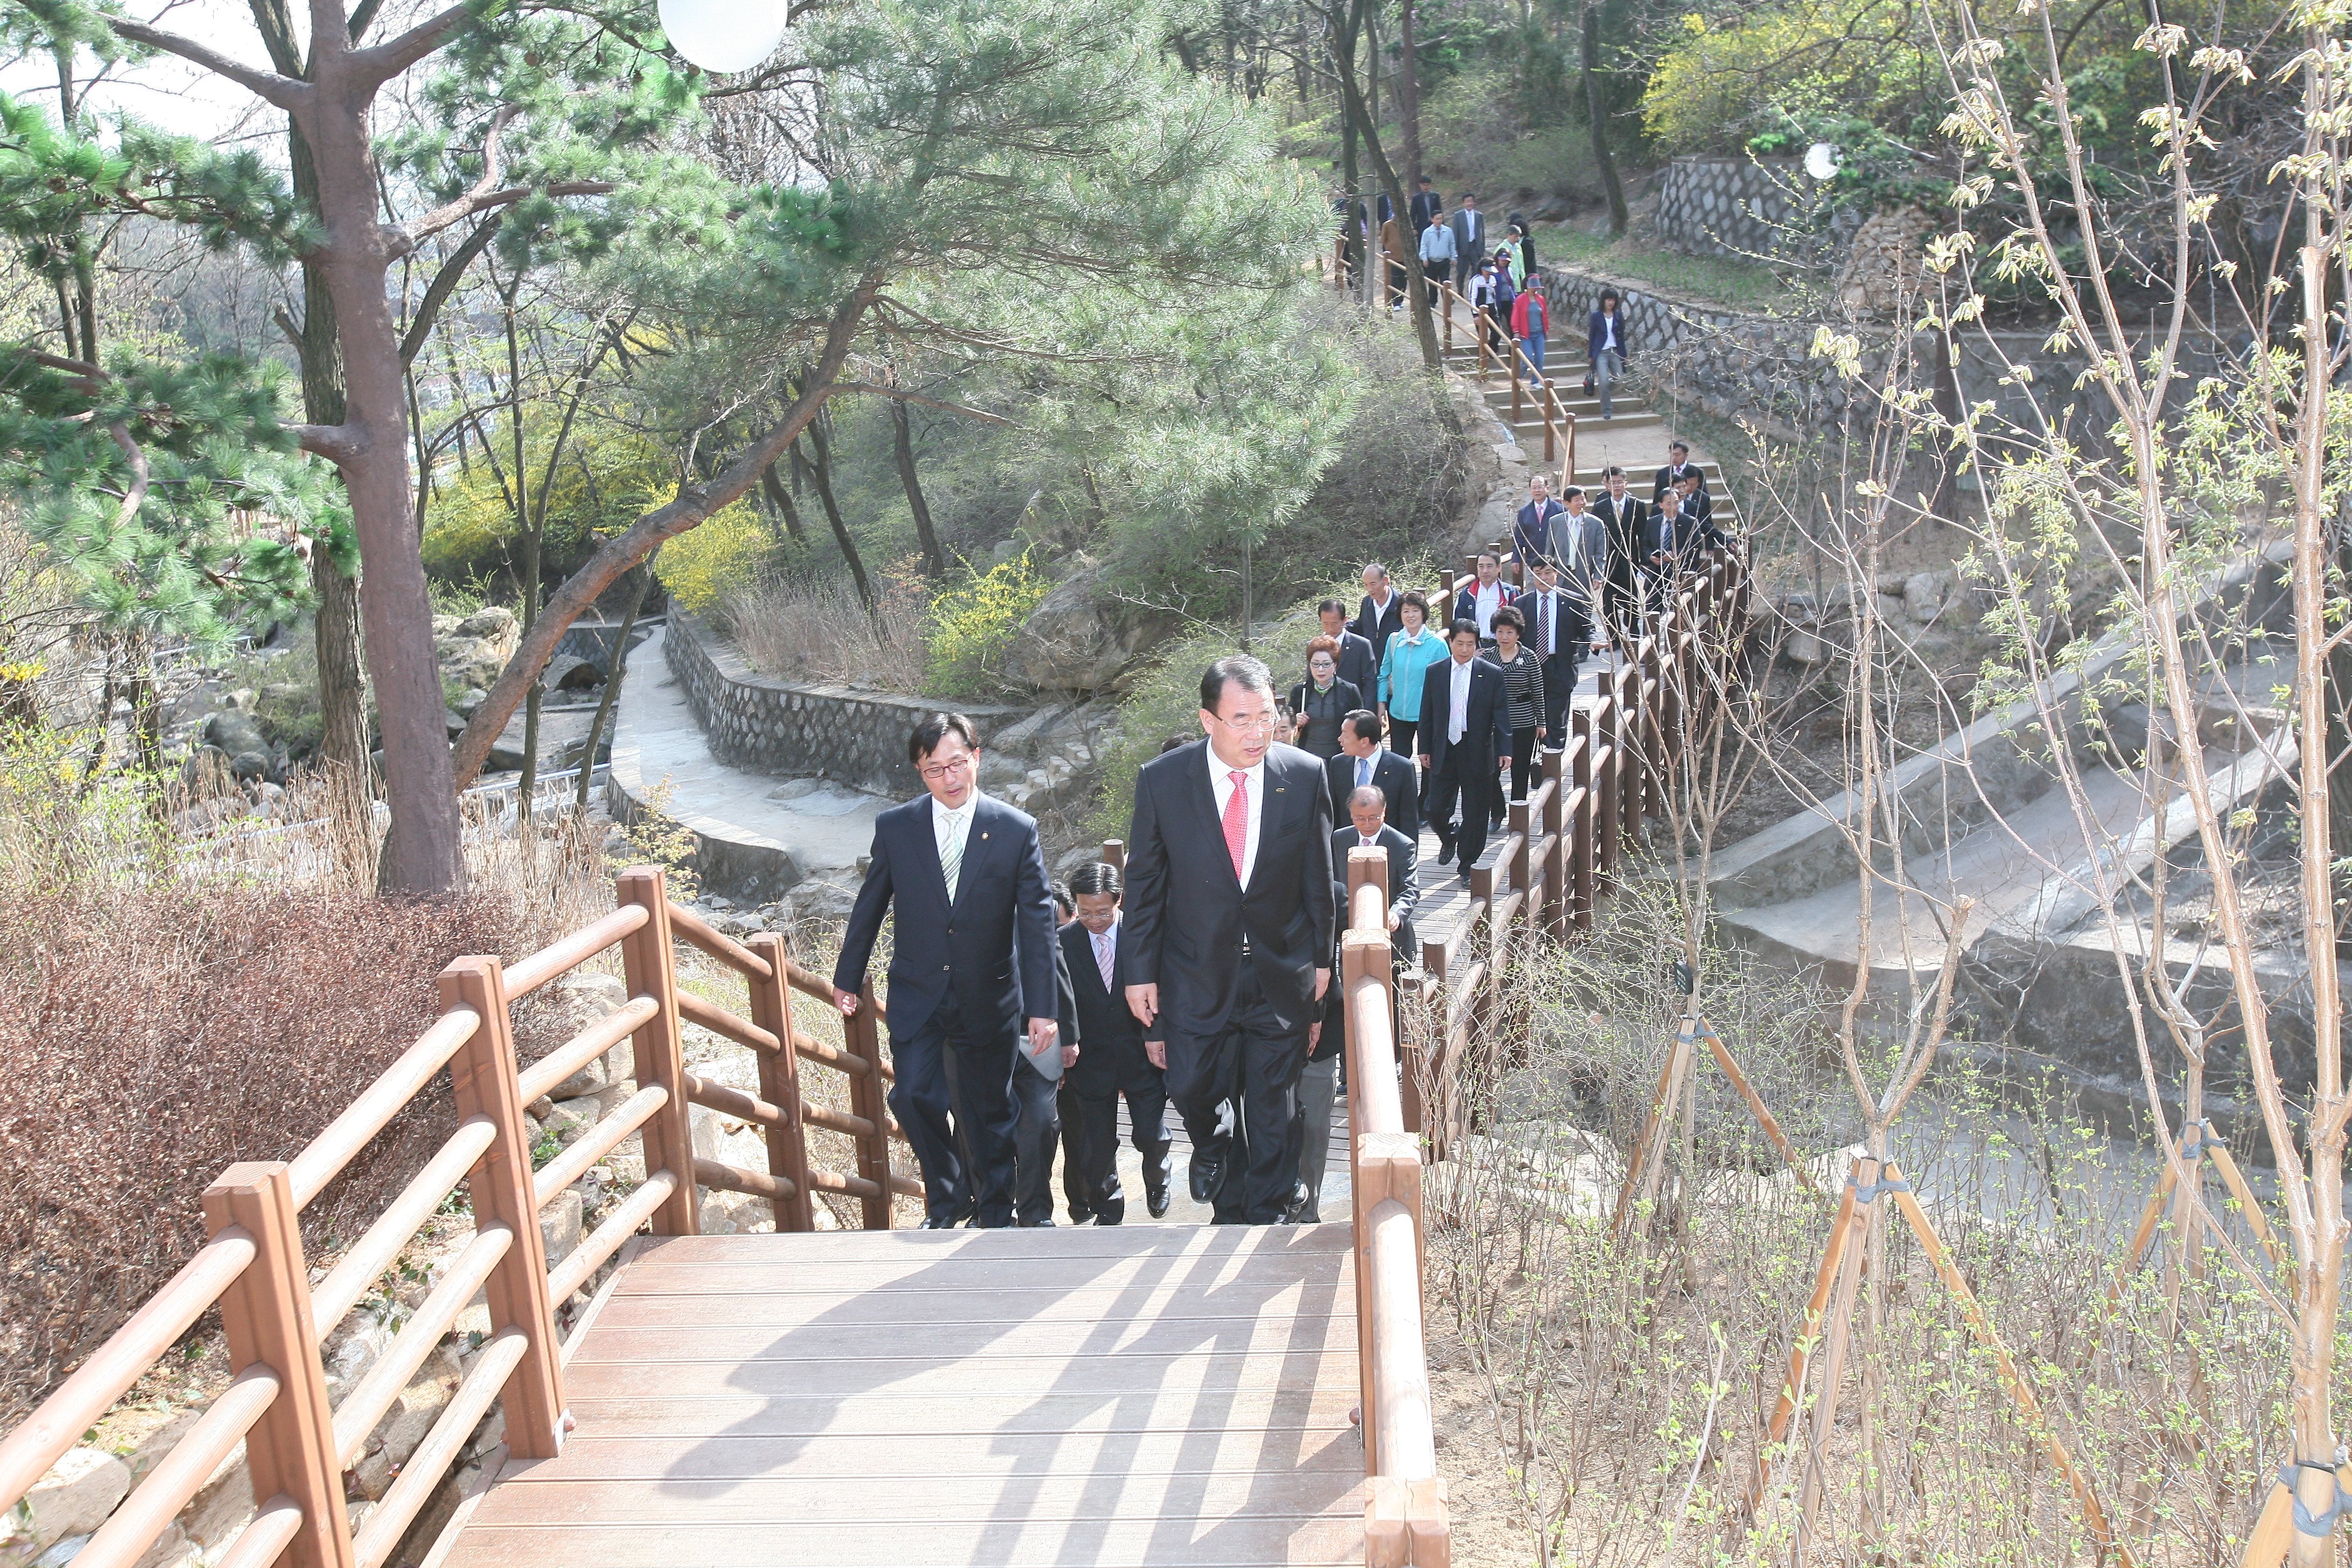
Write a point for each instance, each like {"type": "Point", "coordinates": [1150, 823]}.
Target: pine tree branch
{"type": "Point", "coordinates": [379, 65]}
{"type": "Point", "coordinates": [141, 477]}
{"type": "Point", "coordinates": [437, 293]}
{"type": "Point", "coordinates": [285, 92]}
{"type": "Point", "coordinates": [839, 387]}
{"type": "Point", "coordinates": [336, 443]}
{"type": "Point", "coordinates": [486, 194]}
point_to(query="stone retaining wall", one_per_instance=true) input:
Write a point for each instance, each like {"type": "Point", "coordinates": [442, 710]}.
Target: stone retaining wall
{"type": "Point", "coordinates": [753, 720]}
{"type": "Point", "coordinates": [1745, 368]}
{"type": "Point", "coordinates": [1727, 206]}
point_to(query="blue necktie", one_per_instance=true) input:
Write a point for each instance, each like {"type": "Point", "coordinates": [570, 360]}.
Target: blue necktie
{"type": "Point", "coordinates": [1363, 772]}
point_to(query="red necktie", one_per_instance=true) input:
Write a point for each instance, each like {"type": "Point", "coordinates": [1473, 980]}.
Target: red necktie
{"type": "Point", "coordinates": [1237, 820]}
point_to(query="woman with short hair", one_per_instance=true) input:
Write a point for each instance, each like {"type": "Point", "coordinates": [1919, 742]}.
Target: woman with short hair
{"type": "Point", "coordinates": [1407, 658]}
{"type": "Point", "coordinates": [1321, 701]}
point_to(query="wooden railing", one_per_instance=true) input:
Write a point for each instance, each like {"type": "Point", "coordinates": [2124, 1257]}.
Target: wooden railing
{"type": "Point", "coordinates": [1528, 384]}
{"type": "Point", "coordinates": [1562, 851]}
{"type": "Point", "coordinates": [253, 1266]}
{"type": "Point", "coordinates": [1406, 1520]}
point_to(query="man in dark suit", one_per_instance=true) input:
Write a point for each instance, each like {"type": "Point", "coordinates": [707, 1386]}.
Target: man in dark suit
{"type": "Point", "coordinates": [1381, 614]}
{"type": "Point", "coordinates": [1555, 636]}
{"type": "Point", "coordinates": [1359, 665]}
{"type": "Point", "coordinates": [1113, 1061]}
{"type": "Point", "coordinates": [1231, 921]}
{"type": "Point", "coordinates": [966, 880]}
{"type": "Point", "coordinates": [1622, 520]}
{"type": "Point", "coordinates": [1470, 248]}
{"type": "Point", "coordinates": [1311, 1133]}
{"type": "Point", "coordinates": [1678, 465]}
{"type": "Point", "coordinates": [1362, 760]}
{"type": "Point", "coordinates": [1425, 206]}
{"type": "Point", "coordinates": [1036, 1094]}
{"type": "Point", "coordinates": [1464, 736]}
{"type": "Point", "coordinates": [1532, 530]}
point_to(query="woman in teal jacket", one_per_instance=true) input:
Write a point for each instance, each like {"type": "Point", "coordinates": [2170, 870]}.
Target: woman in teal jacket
{"type": "Point", "coordinates": [1407, 658]}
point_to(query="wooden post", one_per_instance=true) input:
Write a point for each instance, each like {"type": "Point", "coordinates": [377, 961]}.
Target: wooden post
{"type": "Point", "coordinates": [1839, 1334]}
{"type": "Point", "coordinates": [1114, 854]}
{"type": "Point", "coordinates": [1440, 993]}
{"type": "Point", "coordinates": [780, 1086]}
{"type": "Point", "coordinates": [649, 959]}
{"type": "Point", "coordinates": [483, 1082]}
{"type": "Point", "coordinates": [1511, 353]}
{"type": "Point", "coordinates": [1652, 679]}
{"type": "Point", "coordinates": [1632, 718]}
{"type": "Point", "coordinates": [1483, 1012]}
{"type": "Point", "coordinates": [1557, 827]}
{"type": "Point", "coordinates": [870, 1098]}
{"type": "Point", "coordinates": [1587, 814]}
{"type": "Point", "coordinates": [266, 1319]}
{"type": "Point", "coordinates": [1792, 1391]}
{"type": "Point", "coordinates": [1608, 725]}
{"type": "Point", "coordinates": [1645, 1172]}
{"type": "Point", "coordinates": [1522, 858]}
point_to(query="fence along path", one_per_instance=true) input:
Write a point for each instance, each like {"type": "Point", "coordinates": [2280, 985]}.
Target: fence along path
{"type": "Point", "coordinates": [1140, 1396]}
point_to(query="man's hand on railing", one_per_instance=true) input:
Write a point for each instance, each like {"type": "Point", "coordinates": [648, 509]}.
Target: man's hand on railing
{"type": "Point", "coordinates": [846, 1001]}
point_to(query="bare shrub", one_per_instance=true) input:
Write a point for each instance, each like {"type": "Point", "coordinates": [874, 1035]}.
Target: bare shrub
{"type": "Point", "coordinates": [816, 630]}
{"type": "Point", "coordinates": [149, 1040]}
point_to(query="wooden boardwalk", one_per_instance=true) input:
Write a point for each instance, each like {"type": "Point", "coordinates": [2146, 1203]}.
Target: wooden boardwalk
{"type": "Point", "coordinates": [1145, 1394]}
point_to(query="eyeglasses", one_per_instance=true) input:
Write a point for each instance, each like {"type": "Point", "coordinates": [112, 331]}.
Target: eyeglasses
{"type": "Point", "coordinates": [1247, 724]}
{"type": "Point", "coordinates": [939, 771]}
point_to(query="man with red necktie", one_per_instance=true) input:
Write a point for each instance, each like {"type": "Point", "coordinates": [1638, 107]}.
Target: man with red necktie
{"type": "Point", "coordinates": [1230, 923]}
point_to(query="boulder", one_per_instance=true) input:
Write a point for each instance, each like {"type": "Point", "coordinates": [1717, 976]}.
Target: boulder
{"type": "Point", "coordinates": [1082, 638]}
{"type": "Point", "coordinates": [249, 768]}
{"type": "Point", "coordinates": [205, 775]}
{"type": "Point", "coordinates": [569, 672]}
{"type": "Point", "coordinates": [1924, 593]}
{"type": "Point", "coordinates": [74, 1499]}
{"type": "Point", "coordinates": [236, 732]}
{"type": "Point", "coordinates": [493, 625]}
{"type": "Point", "coordinates": [468, 661]}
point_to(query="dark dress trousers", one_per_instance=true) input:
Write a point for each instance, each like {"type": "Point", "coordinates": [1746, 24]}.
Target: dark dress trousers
{"type": "Point", "coordinates": [1235, 966]}
{"type": "Point", "coordinates": [1376, 626]}
{"type": "Point", "coordinates": [1035, 1090]}
{"type": "Point", "coordinates": [955, 988]}
{"type": "Point", "coordinates": [1624, 523]}
{"type": "Point", "coordinates": [1112, 1063]}
{"type": "Point", "coordinates": [1468, 771]}
{"type": "Point", "coordinates": [1393, 775]}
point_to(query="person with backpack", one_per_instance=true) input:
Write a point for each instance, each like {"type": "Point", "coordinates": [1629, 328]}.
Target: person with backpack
{"type": "Point", "coordinates": [1501, 296]}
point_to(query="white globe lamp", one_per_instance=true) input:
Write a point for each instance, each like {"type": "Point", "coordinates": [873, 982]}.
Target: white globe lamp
{"type": "Point", "coordinates": [1820, 159]}
{"type": "Point", "coordinates": [725, 36]}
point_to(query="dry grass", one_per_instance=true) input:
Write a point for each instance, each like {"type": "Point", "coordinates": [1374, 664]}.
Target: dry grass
{"type": "Point", "coordinates": [1627, 1385]}
{"type": "Point", "coordinates": [815, 631]}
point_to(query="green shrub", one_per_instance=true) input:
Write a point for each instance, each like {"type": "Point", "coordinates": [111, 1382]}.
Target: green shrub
{"type": "Point", "coordinates": [973, 622]}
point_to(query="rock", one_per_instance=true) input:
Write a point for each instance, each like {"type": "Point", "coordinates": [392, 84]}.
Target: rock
{"type": "Point", "coordinates": [568, 1119]}
{"type": "Point", "coordinates": [559, 1226]}
{"type": "Point", "coordinates": [504, 758]}
{"type": "Point", "coordinates": [74, 1499]}
{"type": "Point", "coordinates": [1080, 638]}
{"type": "Point", "coordinates": [236, 732]}
{"type": "Point", "coordinates": [1924, 593]}
{"type": "Point", "coordinates": [404, 1426]}
{"type": "Point", "coordinates": [207, 774]}
{"type": "Point", "coordinates": [468, 661]}
{"type": "Point", "coordinates": [249, 768]}
{"type": "Point", "coordinates": [469, 703]}
{"type": "Point", "coordinates": [1804, 649]}
{"type": "Point", "coordinates": [492, 624]}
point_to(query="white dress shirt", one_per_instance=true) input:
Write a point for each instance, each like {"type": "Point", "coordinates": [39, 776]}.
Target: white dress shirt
{"type": "Point", "coordinates": [1221, 786]}
{"type": "Point", "coordinates": [1458, 717]}
{"type": "Point", "coordinates": [1379, 608]}
{"type": "Point", "coordinates": [1484, 602]}
{"type": "Point", "coordinates": [953, 827]}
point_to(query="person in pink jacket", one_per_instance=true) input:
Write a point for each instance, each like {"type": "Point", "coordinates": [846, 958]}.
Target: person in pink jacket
{"type": "Point", "coordinates": [1529, 322]}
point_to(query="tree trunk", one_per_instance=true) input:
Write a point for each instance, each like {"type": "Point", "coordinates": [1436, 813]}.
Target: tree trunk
{"type": "Point", "coordinates": [780, 501]}
{"type": "Point", "coordinates": [821, 470]}
{"type": "Point", "coordinates": [424, 853]}
{"type": "Point", "coordinates": [1409, 96]}
{"type": "Point", "coordinates": [1357, 114]}
{"type": "Point", "coordinates": [902, 442]}
{"type": "Point", "coordinates": [1598, 112]}
{"type": "Point", "coordinates": [611, 696]}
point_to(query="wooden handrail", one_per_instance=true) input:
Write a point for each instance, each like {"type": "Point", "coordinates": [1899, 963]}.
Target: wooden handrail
{"type": "Point", "coordinates": [543, 1075]}
{"type": "Point", "coordinates": [691, 929]}
{"type": "Point", "coordinates": [391, 1231]}
{"type": "Point", "coordinates": [567, 954]}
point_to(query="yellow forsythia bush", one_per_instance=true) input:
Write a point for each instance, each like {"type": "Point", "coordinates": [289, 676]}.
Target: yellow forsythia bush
{"type": "Point", "coordinates": [716, 558]}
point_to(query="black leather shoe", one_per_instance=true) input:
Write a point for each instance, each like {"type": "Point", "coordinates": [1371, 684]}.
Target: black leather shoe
{"type": "Point", "coordinates": [1301, 1200]}
{"type": "Point", "coordinates": [1156, 1202]}
{"type": "Point", "coordinates": [1207, 1169]}
{"type": "Point", "coordinates": [1445, 850]}
{"type": "Point", "coordinates": [1081, 1217]}
{"type": "Point", "coordinates": [1035, 1224]}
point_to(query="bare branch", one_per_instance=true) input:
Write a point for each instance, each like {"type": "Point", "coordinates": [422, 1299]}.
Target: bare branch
{"type": "Point", "coordinates": [336, 443]}
{"type": "Point", "coordinates": [141, 477]}
{"type": "Point", "coordinates": [281, 90]}
{"type": "Point", "coordinates": [444, 283]}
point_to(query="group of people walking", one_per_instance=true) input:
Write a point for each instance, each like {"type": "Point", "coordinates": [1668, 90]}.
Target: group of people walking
{"type": "Point", "coordinates": [1023, 1012]}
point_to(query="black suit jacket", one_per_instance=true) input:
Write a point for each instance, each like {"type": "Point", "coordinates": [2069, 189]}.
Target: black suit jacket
{"type": "Point", "coordinates": [1360, 667]}
{"type": "Point", "coordinates": [1623, 523]}
{"type": "Point", "coordinates": [1110, 1049]}
{"type": "Point", "coordinates": [1425, 206]}
{"type": "Point", "coordinates": [1404, 884]}
{"type": "Point", "coordinates": [1488, 729]}
{"type": "Point", "coordinates": [1666, 477]}
{"type": "Point", "coordinates": [1391, 776]}
{"type": "Point", "coordinates": [1186, 915]}
{"type": "Point", "coordinates": [1375, 629]}
{"type": "Point", "coordinates": [961, 957]}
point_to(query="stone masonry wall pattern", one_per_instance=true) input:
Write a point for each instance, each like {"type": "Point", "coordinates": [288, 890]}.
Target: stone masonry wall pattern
{"type": "Point", "coordinates": [753, 720]}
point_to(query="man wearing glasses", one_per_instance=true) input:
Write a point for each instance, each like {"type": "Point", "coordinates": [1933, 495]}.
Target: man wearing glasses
{"type": "Point", "coordinates": [967, 880]}
{"type": "Point", "coordinates": [1229, 927]}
